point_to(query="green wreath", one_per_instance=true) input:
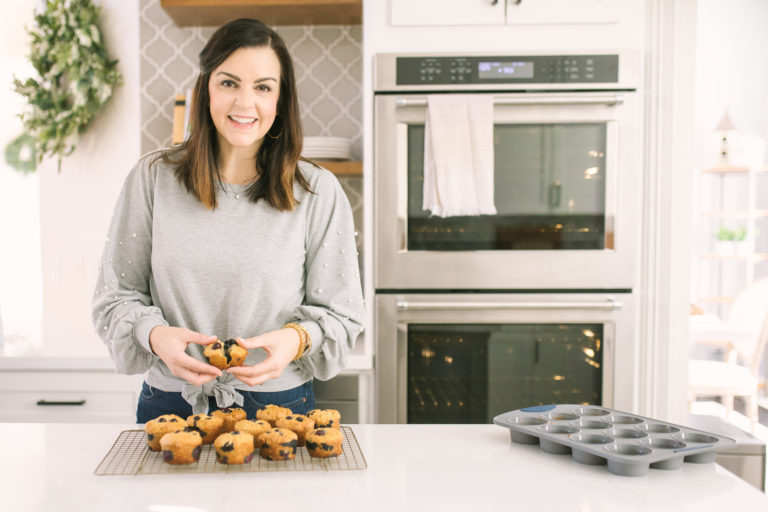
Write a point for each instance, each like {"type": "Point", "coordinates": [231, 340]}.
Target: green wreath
{"type": "Point", "coordinates": [76, 79]}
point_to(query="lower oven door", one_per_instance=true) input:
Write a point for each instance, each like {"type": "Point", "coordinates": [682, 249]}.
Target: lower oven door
{"type": "Point", "coordinates": [464, 358]}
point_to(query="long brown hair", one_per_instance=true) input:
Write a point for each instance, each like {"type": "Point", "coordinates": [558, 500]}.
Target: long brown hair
{"type": "Point", "coordinates": [279, 153]}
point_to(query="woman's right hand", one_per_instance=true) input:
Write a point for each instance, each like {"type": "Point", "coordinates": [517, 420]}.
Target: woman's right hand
{"type": "Point", "coordinates": [170, 343]}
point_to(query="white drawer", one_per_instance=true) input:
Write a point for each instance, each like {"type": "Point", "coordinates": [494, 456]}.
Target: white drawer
{"type": "Point", "coordinates": [70, 406]}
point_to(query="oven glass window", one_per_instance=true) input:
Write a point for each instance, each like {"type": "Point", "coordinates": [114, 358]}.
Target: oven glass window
{"type": "Point", "coordinates": [473, 372]}
{"type": "Point", "coordinates": [549, 188]}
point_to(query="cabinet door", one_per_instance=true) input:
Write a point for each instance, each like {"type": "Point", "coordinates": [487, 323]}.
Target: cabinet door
{"type": "Point", "coordinates": [522, 12]}
{"type": "Point", "coordinates": [446, 12]}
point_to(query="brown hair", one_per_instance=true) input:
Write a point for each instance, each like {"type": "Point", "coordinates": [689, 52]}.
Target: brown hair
{"type": "Point", "coordinates": [278, 156]}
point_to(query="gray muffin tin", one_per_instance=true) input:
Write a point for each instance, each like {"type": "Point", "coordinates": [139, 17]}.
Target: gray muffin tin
{"type": "Point", "coordinates": [629, 444]}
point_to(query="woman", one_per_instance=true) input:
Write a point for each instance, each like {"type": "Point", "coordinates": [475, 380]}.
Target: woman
{"type": "Point", "coordinates": [231, 235]}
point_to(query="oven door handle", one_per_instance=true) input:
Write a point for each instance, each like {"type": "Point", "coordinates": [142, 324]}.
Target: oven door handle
{"type": "Point", "coordinates": [608, 304]}
{"type": "Point", "coordinates": [531, 99]}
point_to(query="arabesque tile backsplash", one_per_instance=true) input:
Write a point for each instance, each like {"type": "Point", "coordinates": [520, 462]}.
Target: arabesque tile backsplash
{"type": "Point", "coordinates": [328, 66]}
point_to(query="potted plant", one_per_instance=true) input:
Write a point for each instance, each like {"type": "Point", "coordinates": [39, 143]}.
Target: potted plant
{"type": "Point", "coordinates": [741, 246]}
{"type": "Point", "coordinates": [724, 243]}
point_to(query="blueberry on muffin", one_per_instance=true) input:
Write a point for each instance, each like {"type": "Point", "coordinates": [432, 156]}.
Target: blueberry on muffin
{"type": "Point", "coordinates": [230, 415]}
{"type": "Point", "coordinates": [208, 426]}
{"type": "Point", "coordinates": [278, 444]}
{"type": "Point", "coordinates": [234, 448]}
{"type": "Point", "coordinates": [324, 442]}
{"type": "Point", "coordinates": [160, 426]}
{"type": "Point", "coordinates": [182, 447]}
{"type": "Point", "coordinates": [223, 354]}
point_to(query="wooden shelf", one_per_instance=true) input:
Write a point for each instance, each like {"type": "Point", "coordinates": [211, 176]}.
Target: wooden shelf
{"type": "Point", "coordinates": [726, 169]}
{"type": "Point", "coordinates": [735, 257]}
{"type": "Point", "coordinates": [188, 13]}
{"type": "Point", "coordinates": [344, 168]}
{"type": "Point", "coordinates": [734, 214]}
{"type": "Point", "coordinates": [718, 299]}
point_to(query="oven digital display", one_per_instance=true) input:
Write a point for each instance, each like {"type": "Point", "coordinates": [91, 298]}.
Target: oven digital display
{"type": "Point", "coordinates": [504, 70]}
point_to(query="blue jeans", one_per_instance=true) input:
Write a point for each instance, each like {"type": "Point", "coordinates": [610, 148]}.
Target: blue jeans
{"type": "Point", "coordinates": [154, 402]}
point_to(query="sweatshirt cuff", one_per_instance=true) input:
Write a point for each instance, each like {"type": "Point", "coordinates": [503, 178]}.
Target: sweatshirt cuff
{"type": "Point", "coordinates": [315, 334]}
{"type": "Point", "coordinates": [143, 327]}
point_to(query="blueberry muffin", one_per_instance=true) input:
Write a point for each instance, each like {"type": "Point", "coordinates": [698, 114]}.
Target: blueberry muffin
{"type": "Point", "coordinates": [324, 442]}
{"type": "Point", "coordinates": [278, 444]}
{"type": "Point", "coordinates": [253, 427]}
{"type": "Point", "coordinates": [160, 426]}
{"type": "Point", "coordinates": [223, 354]}
{"type": "Point", "coordinates": [301, 425]}
{"type": "Point", "coordinates": [272, 413]}
{"type": "Point", "coordinates": [234, 448]}
{"type": "Point", "coordinates": [325, 418]}
{"type": "Point", "coordinates": [182, 447]}
{"type": "Point", "coordinates": [208, 426]}
{"type": "Point", "coordinates": [230, 415]}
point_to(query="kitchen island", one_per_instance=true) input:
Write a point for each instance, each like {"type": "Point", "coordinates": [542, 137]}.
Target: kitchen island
{"type": "Point", "coordinates": [410, 467]}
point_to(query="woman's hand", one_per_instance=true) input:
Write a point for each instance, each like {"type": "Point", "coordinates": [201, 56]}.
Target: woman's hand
{"type": "Point", "coordinates": [170, 343]}
{"type": "Point", "coordinates": [281, 347]}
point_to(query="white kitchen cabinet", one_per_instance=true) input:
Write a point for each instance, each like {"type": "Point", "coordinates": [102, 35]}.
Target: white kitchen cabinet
{"type": "Point", "coordinates": [45, 394]}
{"type": "Point", "coordinates": [446, 12]}
{"type": "Point", "coordinates": [500, 12]}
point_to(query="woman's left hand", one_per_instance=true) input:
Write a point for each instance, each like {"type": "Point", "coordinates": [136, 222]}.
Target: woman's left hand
{"type": "Point", "coordinates": [281, 347]}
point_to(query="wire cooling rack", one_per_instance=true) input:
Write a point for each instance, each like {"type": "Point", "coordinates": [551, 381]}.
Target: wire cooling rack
{"type": "Point", "coordinates": [130, 455]}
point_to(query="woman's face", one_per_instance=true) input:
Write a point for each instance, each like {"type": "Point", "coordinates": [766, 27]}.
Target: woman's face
{"type": "Point", "coordinates": [244, 91]}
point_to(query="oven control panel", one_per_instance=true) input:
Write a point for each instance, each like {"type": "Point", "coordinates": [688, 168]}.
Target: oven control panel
{"type": "Point", "coordinates": [504, 70]}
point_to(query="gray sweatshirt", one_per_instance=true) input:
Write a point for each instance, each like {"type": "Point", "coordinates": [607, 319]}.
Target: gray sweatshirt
{"type": "Point", "coordinates": [238, 271]}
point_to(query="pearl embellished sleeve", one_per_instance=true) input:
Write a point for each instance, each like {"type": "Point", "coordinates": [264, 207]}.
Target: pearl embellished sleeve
{"type": "Point", "coordinates": [123, 313]}
{"type": "Point", "coordinates": [333, 310]}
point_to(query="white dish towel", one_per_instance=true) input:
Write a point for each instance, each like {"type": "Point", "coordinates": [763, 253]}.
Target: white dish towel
{"type": "Point", "coordinates": [458, 155]}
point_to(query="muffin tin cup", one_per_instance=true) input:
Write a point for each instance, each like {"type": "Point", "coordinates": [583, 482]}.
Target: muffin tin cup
{"type": "Point", "coordinates": [627, 443]}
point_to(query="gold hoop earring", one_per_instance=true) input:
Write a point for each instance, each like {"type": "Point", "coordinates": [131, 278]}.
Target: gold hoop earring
{"type": "Point", "coordinates": [273, 136]}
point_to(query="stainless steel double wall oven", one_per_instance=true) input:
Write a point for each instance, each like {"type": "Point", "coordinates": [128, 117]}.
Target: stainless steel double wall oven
{"type": "Point", "coordinates": [477, 315]}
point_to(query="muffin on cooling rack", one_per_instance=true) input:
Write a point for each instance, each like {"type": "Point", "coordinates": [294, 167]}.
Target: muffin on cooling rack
{"type": "Point", "coordinates": [272, 413]}
{"type": "Point", "coordinates": [301, 425]}
{"type": "Point", "coordinates": [325, 418]}
{"type": "Point", "coordinates": [325, 442]}
{"type": "Point", "coordinates": [253, 427]}
{"type": "Point", "coordinates": [158, 427]}
{"type": "Point", "coordinates": [230, 415]}
{"type": "Point", "coordinates": [234, 448]}
{"type": "Point", "coordinates": [208, 426]}
{"type": "Point", "coordinates": [223, 354]}
{"type": "Point", "coordinates": [182, 447]}
{"type": "Point", "coordinates": [278, 444]}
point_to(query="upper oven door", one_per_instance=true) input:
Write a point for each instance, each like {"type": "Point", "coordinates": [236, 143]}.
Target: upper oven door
{"type": "Point", "coordinates": [565, 181]}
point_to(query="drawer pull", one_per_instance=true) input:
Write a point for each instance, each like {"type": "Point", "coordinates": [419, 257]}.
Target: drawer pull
{"type": "Point", "coordinates": [44, 402]}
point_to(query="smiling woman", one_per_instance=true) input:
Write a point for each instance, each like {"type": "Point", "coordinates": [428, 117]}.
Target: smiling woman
{"type": "Point", "coordinates": [230, 235]}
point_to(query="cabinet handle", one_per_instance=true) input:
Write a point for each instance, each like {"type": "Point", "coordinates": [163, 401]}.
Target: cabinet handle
{"type": "Point", "coordinates": [44, 402]}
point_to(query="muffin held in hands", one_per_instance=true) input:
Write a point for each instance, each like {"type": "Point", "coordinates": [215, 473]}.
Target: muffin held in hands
{"type": "Point", "coordinates": [325, 418]}
{"type": "Point", "coordinates": [324, 442]}
{"type": "Point", "coordinates": [223, 354]}
{"type": "Point", "coordinates": [230, 415]}
{"type": "Point", "coordinates": [160, 426]}
{"type": "Point", "coordinates": [208, 426]}
{"type": "Point", "coordinates": [301, 425]}
{"type": "Point", "coordinates": [272, 413]}
{"type": "Point", "coordinates": [234, 448]}
{"type": "Point", "coordinates": [182, 447]}
{"type": "Point", "coordinates": [278, 444]}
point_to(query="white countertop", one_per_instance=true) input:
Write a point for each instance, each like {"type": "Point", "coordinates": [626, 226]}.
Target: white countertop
{"type": "Point", "coordinates": [410, 467]}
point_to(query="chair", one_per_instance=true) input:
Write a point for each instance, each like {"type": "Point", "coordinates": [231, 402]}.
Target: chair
{"type": "Point", "coordinates": [744, 336]}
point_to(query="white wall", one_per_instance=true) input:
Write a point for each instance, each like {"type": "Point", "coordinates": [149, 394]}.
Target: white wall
{"type": "Point", "coordinates": [74, 202]}
{"type": "Point", "coordinates": [20, 281]}
{"type": "Point", "coordinates": [732, 75]}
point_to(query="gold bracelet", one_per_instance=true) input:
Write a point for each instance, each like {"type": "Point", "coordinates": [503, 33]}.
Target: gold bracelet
{"type": "Point", "coordinates": [305, 341]}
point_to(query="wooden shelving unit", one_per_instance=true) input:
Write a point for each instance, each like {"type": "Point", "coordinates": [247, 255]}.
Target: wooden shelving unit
{"type": "Point", "coordinates": [745, 214]}
{"type": "Point", "coordinates": [345, 168]}
{"type": "Point", "coordinates": [188, 13]}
